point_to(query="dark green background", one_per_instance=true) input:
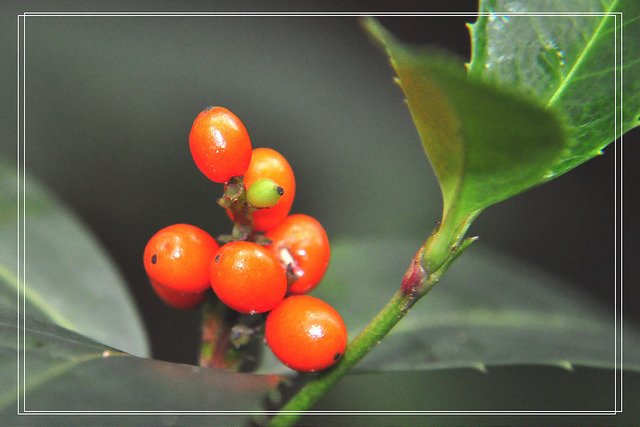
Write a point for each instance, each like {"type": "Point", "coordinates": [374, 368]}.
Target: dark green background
{"type": "Point", "coordinates": [110, 101]}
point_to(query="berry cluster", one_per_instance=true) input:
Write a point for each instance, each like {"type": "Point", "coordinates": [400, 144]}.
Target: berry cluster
{"type": "Point", "coordinates": [268, 262]}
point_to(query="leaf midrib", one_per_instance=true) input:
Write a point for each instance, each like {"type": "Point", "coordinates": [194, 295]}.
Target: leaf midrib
{"type": "Point", "coordinates": [35, 298]}
{"type": "Point", "coordinates": [581, 58]}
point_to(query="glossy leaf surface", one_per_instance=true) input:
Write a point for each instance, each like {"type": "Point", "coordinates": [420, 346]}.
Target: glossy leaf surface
{"type": "Point", "coordinates": [485, 144]}
{"type": "Point", "coordinates": [572, 59]}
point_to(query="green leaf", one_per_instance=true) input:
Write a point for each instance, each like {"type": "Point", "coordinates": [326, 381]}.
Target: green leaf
{"type": "Point", "coordinates": [569, 63]}
{"type": "Point", "coordinates": [485, 144]}
{"type": "Point", "coordinates": [69, 278]}
{"type": "Point", "coordinates": [488, 310]}
{"type": "Point", "coordinates": [64, 371]}
{"type": "Point", "coordinates": [531, 388]}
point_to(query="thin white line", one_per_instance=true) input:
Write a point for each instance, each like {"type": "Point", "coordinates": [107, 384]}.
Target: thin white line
{"type": "Point", "coordinates": [24, 216]}
{"type": "Point", "coordinates": [18, 210]}
{"type": "Point", "coordinates": [230, 412]}
{"type": "Point", "coordinates": [311, 14]}
{"type": "Point", "coordinates": [621, 267]}
{"type": "Point", "coordinates": [615, 219]}
{"type": "Point", "coordinates": [275, 14]}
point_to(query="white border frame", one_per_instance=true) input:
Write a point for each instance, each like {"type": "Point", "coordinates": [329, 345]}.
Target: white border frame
{"type": "Point", "coordinates": [21, 219]}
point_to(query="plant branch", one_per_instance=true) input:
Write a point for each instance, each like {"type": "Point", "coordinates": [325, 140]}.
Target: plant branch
{"type": "Point", "coordinates": [416, 284]}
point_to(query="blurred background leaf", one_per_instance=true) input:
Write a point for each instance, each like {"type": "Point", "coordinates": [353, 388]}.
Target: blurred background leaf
{"type": "Point", "coordinates": [64, 371]}
{"type": "Point", "coordinates": [68, 278]}
{"type": "Point", "coordinates": [521, 388]}
{"type": "Point", "coordinates": [488, 310]}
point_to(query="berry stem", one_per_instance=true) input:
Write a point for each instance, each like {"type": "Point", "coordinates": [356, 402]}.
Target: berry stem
{"type": "Point", "coordinates": [416, 284]}
{"type": "Point", "coordinates": [214, 347]}
{"type": "Point", "coordinates": [235, 199]}
{"type": "Point", "coordinates": [230, 340]}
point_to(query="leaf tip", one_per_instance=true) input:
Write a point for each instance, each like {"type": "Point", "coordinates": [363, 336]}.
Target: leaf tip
{"type": "Point", "coordinates": [377, 32]}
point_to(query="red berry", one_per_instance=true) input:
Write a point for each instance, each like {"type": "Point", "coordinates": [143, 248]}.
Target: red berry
{"type": "Point", "coordinates": [179, 300]}
{"type": "Point", "coordinates": [247, 277]}
{"type": "Point", "coordinates": [178, 258]}
{"type": "Point", "coordinates": [306, 333]}
{"type": "Point", "coordinates": [302, 246]}
{"type": "Point", "coordinates": [220, 144]}
{"type": "Point", "coordinates": [268, 163]}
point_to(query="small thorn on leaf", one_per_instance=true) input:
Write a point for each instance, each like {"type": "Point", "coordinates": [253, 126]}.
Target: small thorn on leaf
{"type": "Point", "coordinates": [566, 365]}
{"type": "Point", "coordinates": [480, 367]}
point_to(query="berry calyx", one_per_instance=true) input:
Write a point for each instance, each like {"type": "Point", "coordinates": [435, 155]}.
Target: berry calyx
{"type": "Point", "coordinates": [302, 246]}
{"type": "Point", "coordinates": [220, 144]}
{"type": "Point", "coordinates": [177, 258]}
{"type": "Point", "coordinates": [247, 277]}
{"type": "Point", "coordinates": [306, 333]}
{"type": "Point", "coordinates": [264, 193]}
{"type": "Point", "coordinates": [268, 163]}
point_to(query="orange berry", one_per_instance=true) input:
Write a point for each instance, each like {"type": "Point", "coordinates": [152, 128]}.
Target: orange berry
{"type": "Point", "coordinates": [178, 258]}
{"type": "Point", "coordinates": [220, 144]}
{"type": "Point", "coordinates": [302, 246]}
{"type": "Point", "coordinates": [306, 333]}
{"type": "Point", "coordinates": [179, 300]}
{"type": "Point", "coordinates": [247, 277]}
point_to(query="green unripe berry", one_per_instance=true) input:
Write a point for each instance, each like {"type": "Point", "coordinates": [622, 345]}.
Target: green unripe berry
{"type": "Point", "coordinates": [264, 193]}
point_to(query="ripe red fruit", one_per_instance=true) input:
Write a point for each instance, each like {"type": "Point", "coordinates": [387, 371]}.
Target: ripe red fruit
{"type": "Point", "coordinates": [179, 300]}
{"type": "Point", "coordinates": [177, 259]}
{"type": "Point", "coordinates": [220, 144]}
{"type": "Point", "coordinates": [268, 163]}
{"type": "Point", "coordinates": [302, 246]}
{"type": "Point", "coordinates": [306, 333]}
{"type": "Point", "coordinates": [247, 277]}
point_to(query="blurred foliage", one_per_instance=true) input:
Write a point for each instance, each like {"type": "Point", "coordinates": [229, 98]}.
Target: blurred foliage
{"type": "Point", "coordinates": [66, 277]}
{"type": "Point", "coordinates": [64, 371]}
{"type": "Point", "coordinates": [488, 310]}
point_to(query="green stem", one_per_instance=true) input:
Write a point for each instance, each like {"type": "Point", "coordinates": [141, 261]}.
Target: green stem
{"type": "Point", "coordinates": [375, 331]}
{"type": "Point", "coordinates": [357, 349]}
{"type": "Point", "coordinates": [444, 241]}
{"type": "Point", "coordinates": [420, 278]}
{"type": "Point", "coordinates": [215, 350]}
{"type": "Point", "coordinates": [230, 340]}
